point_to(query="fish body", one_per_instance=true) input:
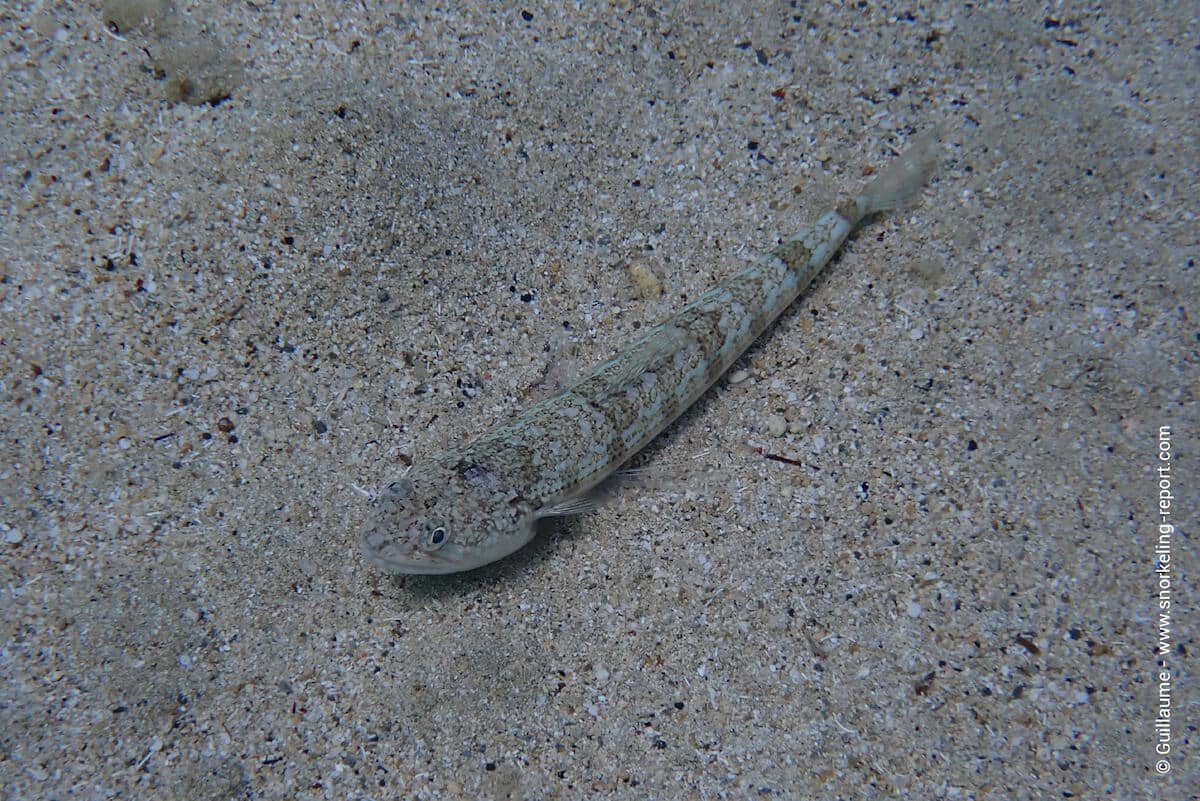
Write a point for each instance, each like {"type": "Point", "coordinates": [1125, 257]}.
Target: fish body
{"type": "Point", "coordinates": [476, 503]}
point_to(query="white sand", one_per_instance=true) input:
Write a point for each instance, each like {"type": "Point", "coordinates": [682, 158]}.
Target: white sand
{"type": "Point", "coordinates": [223, 326]}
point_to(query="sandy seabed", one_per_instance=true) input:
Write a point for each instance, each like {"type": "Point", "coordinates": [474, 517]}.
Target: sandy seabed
{"type": "Point", "coordinates": [257, 258]}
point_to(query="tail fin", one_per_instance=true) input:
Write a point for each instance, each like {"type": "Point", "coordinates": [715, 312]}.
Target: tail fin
{"type": "Point", "coordinates": [904, 178]}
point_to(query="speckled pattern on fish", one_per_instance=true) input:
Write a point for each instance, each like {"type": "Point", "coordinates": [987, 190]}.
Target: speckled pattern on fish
{"type": "Point", "coordinates": [477, 503]}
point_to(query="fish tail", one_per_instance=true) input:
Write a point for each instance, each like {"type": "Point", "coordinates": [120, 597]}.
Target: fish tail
{"type": "Point", "coordinates": [903, 179]}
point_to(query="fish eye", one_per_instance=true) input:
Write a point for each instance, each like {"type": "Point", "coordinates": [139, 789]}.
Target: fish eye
{"type": "Point", "coordinates": [437, 537]}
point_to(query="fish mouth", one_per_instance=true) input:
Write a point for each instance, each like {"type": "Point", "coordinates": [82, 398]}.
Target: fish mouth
{"type": "Point", "coordinates": [412, 567]}
{"type": "Point", "coordinates": [403, 558]}
{"type": "Point", "coordinates": [394, 557]}
{"type": "Point", "coordinates": [393, 560]}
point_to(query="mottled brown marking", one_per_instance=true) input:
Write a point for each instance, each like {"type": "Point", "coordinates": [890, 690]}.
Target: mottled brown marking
{"type": "Point", "coordinates": [849, 211]}
{"type": "Point", "coordinates": [793, 253]}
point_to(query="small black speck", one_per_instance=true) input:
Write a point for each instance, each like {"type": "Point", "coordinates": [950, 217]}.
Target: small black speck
{"type": "Point", "coordinates": [490, 766]}
{"type": "Point", "coordinates": [119, 709]}
{"type": "Point", "coordinates": [319, 426]}
{"type": "Point", "coordinates": [289, 240]}
{"type": "Point", "coordinates": [233, 440]}
{"type": "Point", "coordinates": [972, 445]}
{"type": "Point", "coordinates": [679, 704]}
{"type": "Point", "coordinates": [206, 436]}
{"type": "Point", "coordinates": [525, 15]}
{"type": "Point", "coordinates": [527, 296]}
{"type": "Point", "coordinates": [660, 745]}
{"type": "Point", "coordinates": [752, 145]}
